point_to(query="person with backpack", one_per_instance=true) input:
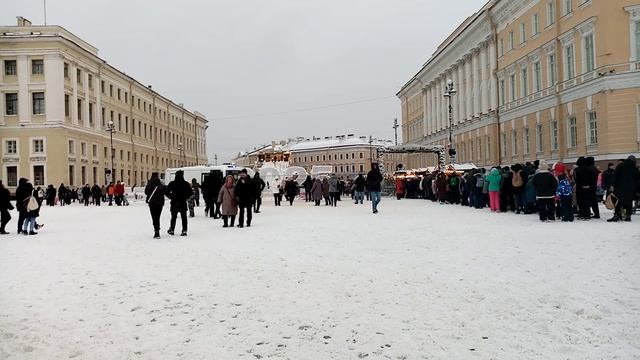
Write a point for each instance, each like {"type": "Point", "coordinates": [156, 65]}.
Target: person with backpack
{"type": "Point", "coordinates": [476, 190]}
{"type": "Point", "coordinates": [518, 187]}
{"type": "Point", "coordinates": [155, 193]}
{"type": "Point", "coordinates": [564, 192]}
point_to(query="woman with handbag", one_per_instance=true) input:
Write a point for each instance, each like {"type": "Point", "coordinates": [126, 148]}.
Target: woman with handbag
{"type": "Point", "coordinates": [155, 198]}
{"type": "Point", "coordinates": [32, 208]}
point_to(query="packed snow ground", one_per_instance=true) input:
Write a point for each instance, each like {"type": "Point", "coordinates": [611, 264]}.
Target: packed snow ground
{"type": "Point", "coordinates": [416, 281]}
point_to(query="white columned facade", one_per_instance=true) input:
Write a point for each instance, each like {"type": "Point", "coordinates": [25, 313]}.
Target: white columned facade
{"type": "Point", "coordinates": [460, 98]}
{"type": "Point", "coordinates": [98, 106]}
{"type": "Point", "coordinates": [431, 108]}
{"type": "Point", "coordinates": [434, 105]}
{"type": "Point", "coordinates": [425, 118]}
{"type": "Point", "coordinates": [85, 102]}
{"type": "Point", "coordinates": [469, 87]}
{"type": "Point", "coordinates": [484, 100]}
{"type": "Point", "coordinates": [492, 81]}
{"type": "Point", "coordinates": [54, 93]}
{"type": "Point", "coordinates": [24, 96]}
{"type": "Point", "coordinates": [73, 103]}
{"type": "Point", "coordinates": [438, 104]}
{"type": "Point", "coordinates": [475, 63]}
{"type": "Point", "coordinates": [445, 102]}
{"type": "Point", "coordinates": [454, 100]}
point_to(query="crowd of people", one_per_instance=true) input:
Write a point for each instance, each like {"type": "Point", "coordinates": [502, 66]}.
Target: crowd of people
{"type": "Point", "coordinates": [552, 191]}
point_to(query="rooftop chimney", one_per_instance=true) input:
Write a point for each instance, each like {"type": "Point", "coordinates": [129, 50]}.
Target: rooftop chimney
{"type": "Point", "coordinates": [23, 22]}
{"type": "Point", "coordinates": [149, 87]}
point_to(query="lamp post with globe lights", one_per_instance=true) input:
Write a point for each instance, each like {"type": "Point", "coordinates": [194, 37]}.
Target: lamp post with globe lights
{"type": "Point", "coordinates": [111, 129]}
{"type": "Point", "coordinates": [448, 93]}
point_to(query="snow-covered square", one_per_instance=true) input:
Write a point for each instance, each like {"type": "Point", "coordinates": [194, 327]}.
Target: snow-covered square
{"type": "Point", "coordinates": [416, 281]}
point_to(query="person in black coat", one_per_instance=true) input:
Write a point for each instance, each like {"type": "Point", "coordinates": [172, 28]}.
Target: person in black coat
{"type": "Point", "coordinates": [582, 182]}
{"type": "Point", "coordinates": [245, 192]}
{"type": "Point", "coordinates": [374, 178]}
{"type": "Point", "coordinates": [259, 185]}
{"type": "Point", "coordinates": [546, 185]}
{"type": "Point", "coordinates": [179, 191]}
{"type": "Point", "coordinates": [86, 194]}
{"type": "Point", "coordinates": [592, 197]}
{"type": "Point", "coordinates": [155, 193]}
{"type": "Point", "coordinates": [62, 194]}
{"type": "Point", "coordinates": [96, 193]}
{"type": "Point", "coordinates": [307, 184]}
{"type": "Point", "coordinates": [51, 195]}
{"type": "Point", "coordinates": [215, 184]}
{"type": "Point", "coordinates": [23, 191]}
{"type": "Point", "coordinates": [625, 186]}
{"type": "Point", "coordinates": [607, 178]}
{"type": "Point", "coordinates": [5, 206]}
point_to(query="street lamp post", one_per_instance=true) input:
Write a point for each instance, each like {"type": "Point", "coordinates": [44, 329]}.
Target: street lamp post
{"type": "Point", "coordinates": [448, 93]}
{"type": "Point", "coordinates": [395, 128]}
{"type": "Point", "coordinates": [111, 129]}
{"type": "Point", "coordinates": [181, 150]}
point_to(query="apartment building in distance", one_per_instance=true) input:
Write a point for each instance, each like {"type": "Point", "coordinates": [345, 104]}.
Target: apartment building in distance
{"type": "Point", "coordinates": [535, 79]}
{"type": "Point", "coordinates": [347, 155]}
{"type": "Point", "coordinates": [62, 107]}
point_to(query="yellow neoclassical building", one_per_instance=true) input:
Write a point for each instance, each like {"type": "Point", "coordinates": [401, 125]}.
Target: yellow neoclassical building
{"type": "Point", "coordinates": [535, 79]}
{"type": "Point", "coordinates": [62, 107]}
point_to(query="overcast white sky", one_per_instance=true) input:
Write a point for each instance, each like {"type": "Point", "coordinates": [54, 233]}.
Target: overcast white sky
{"type": "Point", "coordinates": [232, 58]}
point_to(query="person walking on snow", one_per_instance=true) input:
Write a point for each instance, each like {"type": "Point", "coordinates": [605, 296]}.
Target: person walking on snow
{"type": "Point", "coordinates": [259, 185]}
{"type": "Point", "coordinates": [245, 192]}
{"type": "Point", "coordinates": [155, 193]}
{"type": "Point", "coordinates": [374, 178]}
{"type": "Point", "coordinates": [228, 202]}
{"type": "Point", "coordinates": [178, 191]}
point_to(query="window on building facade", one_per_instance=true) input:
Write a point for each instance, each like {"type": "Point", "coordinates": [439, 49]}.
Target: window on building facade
{"type": "Point", "coordinates": [11, 147]}
{"type": "Point", "coordinates": [38, 175]}
{"type": "Point", "coordinates": [72, 147]}
{"type": "Point", "coordinates": [118, 94]}
{"type": "Point", "coordinates": [102, 86]}
{"type": "Point", "coordinates": [12, 176]}
{"type": "Point", "coordinates": [91, 114]}
{"type": "Point", "coordinates": [11, 103]}
{"type": "Point", "coordinates": [525, 140]}
{"type": "Point", "coordinates": [90, 78]}
{"type": "Point", "coordinates": [111, 90]}
{"type": "Point", "coordinates": [79, 109]}
{"type": "Point", "coordinates": [66, 70]}
{"type": "Point", "coordinates": [554, 135]}
{"type": "Point", "coordinates": [67, 110]}
{"type": "Point", "coordinates": [94, 150]}
{"type": "Point", "coordinates": [119, 122]}
{"type": "Point", "coordinates": [572, 132]}
{"type": "Point", "coordinates": [38, 146]}
{"type": "Point", "coordinates": [637, 39]}
{"type": "Point", "coordinates": [512, 87]}
{"type": "Point", "coordinates": [500, 47]}
{"type": "Point", "coordinates": [592, 128]}
{"type": "Point", "coordinates": [37, 67]}
{"type": "Point", "coordinates": [514, 142]}
{"type": "Point", "coordinates": [79, 76]}
{"type": "Point", "coordinates": [539, 138]}
{"type": "Point", "coordinates": [511, 40]}
{"type": "Point", "coordinates": [589, 53]}
{"type": "Point", "coordinates": [523, 32]}
{"type": "Point", "coordinates": [552, 69]}
{"type": "Point", "coordinates": [126, 97]}
{"type": "Point", "coordinates": [524, 81]}
{"type": "Point", "coordinates": [567, 7]}
{"type": "Point", "coordinates": [105, 152]}
{"type": "Point", "coordinates": [537, 76]}
{"type": "Point", "coordinates": [551, 12]}
{"type": "Point", "coordinates": [535, 24]}
{"type": "Point", "coordinates": [83, 148]}
{"type": "Point", "coordinates": [10, 67]}
{"type": "Point", "coordinates": [570, 69]}
{"type": "Point", "coordinates": [487, 144]}
{"type": "Point", "coordinates": [38, 103]}
{"type": "Point", "coordinates": [72, 173]}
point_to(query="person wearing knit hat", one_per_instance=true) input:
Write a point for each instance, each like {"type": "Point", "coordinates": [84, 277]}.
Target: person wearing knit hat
{"type": "Point", "coordinates": [559, 168]}
{"type": "Point", "coordinates": [545, 185]}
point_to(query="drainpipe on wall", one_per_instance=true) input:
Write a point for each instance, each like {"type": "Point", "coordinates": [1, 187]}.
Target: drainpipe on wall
{"type": "Point", "coordinates": [494, 34]}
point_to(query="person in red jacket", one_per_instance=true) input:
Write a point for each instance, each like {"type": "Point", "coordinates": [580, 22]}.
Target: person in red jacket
{"type": "Point", "coordinates": [399, 188]}
{"type": "Point", "coordinates": [119, 193]}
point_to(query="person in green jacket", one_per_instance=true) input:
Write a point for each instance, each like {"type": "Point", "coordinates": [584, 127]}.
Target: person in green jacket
{"type": "Point", "coordinates": [494, 179]}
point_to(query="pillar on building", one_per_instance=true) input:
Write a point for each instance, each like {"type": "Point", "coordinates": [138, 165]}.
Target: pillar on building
{"type": "Point", "coordinates": [484, 89]}
{"type": "Point", "coordinates": [425, 118]}
{"type": "Point", "coordinates": [454, 100]}
{"type": "Point", "coordinates": [460, 86]}
{"type": "Point", "coordinates": [54, 93]}
{"type": "Point", "coordinates": [24, 79]}
{"type": "Point", "coordinates": [475, 63]}
{"type": "Point", "coordinates": [469, 87]}
{"type": "Point", "coordinates": [73, 103]}
{"type": "Point", "coordinates": [492, 82]}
